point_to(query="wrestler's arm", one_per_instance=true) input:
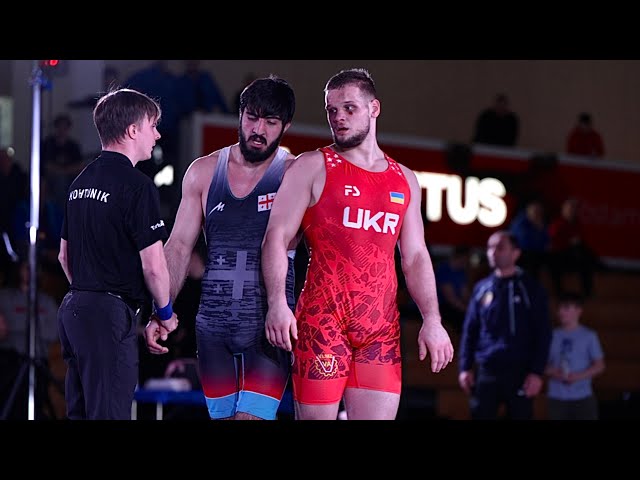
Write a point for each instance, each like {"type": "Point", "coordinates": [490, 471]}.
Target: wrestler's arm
{"type": "Point", "coordinates": [293, 198]}
{"type": "Point", "coordinates": [188, 223]}
{"type": "Point", "coordinates": [418, 271]}
{"type": "Point", "coordinates": [156, 278]}
{"type": "Point", "coordinates": [178, 248]}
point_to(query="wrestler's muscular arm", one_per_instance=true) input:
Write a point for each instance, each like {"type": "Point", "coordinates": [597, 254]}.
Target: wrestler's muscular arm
{"type": "Point", "coordinates": [298, 236]}
{"type": "Point", "coordinates": [184, 235]}
{"type": "Point", "coordinates": [296, 193]}
{"type": "Point", "coordinates": [418, 272]}
{"type": "Point", "coordinates": [188, 224]}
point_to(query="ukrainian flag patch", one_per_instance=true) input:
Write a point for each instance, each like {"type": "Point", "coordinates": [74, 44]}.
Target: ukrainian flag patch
{"type": "Point", "coordinates": [396, 197]}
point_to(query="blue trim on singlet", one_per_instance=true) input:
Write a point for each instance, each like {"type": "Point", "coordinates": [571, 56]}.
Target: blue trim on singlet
{"type": "Point", "coordinates": [258, 405]}
{"type": "Point", "coordinates": [222, 407]}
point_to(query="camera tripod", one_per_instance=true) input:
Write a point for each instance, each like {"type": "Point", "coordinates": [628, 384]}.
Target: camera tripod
{"type": "Point", "coordinates": [43, 379]}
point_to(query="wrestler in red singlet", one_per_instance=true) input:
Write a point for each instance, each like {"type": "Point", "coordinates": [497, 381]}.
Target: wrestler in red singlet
{"type": "Point", "coordinates": [348, 319]}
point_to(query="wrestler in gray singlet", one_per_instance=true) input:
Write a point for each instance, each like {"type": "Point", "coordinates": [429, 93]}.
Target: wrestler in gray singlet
{"type": "Point", "coordinates": [239, 370]}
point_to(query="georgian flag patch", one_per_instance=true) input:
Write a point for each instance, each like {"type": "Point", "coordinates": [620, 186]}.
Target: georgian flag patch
{"type": "Point", "coordinates": [265, 201]}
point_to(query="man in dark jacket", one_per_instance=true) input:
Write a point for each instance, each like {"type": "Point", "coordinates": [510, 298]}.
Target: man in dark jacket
{"type": "Point", "coordinates": [506, 335]}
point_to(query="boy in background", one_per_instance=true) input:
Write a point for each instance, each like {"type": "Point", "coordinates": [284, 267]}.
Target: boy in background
{"type": "Point", "coordinates": [575, 358]}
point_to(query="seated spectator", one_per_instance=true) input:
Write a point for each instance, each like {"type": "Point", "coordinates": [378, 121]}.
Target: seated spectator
{"type": "Point", "coordinates": [452, 281]}
{"type": "Point", "coordinates": [584, 139]}
{"type": "Point", "coordinates": [529, 227]}
{"type": "Point", "coordinates": [497, 125]}
{"type": "Point", "coordinates": [569, 252]}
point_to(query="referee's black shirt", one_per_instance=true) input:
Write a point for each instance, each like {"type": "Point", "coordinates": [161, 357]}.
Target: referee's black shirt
{"type": "Point", "coordinates": [112, 212]}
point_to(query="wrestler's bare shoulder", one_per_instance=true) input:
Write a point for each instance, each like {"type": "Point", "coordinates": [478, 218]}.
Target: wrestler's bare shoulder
{"type": "Point", "coordinates": [289, 160]}
{"type": "Point", "coordinates": [206, 161]}
{"type": "Point", "coordinates": [203, 167]}
{"type": "Point", "coordinates": [310, 161]}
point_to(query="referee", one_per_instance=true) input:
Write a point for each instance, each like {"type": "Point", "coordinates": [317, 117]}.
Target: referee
{"type": "Point", "coordinates": [111, 248]}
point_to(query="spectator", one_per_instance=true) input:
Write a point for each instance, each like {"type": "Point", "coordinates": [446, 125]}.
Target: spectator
{"type": "Point", "coordinates": [14, 189]}
{"type": "Point", "coordinates": [158, 82]}
{"type": "Point", "coordinates": [584, 139]}
{"type": "Point", "coordinates": [506, 336]}
{"type": "Point", "coordinates": [197, 91]}
{"type": "Point", "coordinates": [497, 125]}
{"type": "Point", "coordinates": [529, 227]}
{"type": "Point", "coordinates": [61, 159]}
{"type": "Point", "coordinates": [569, 252]}
{"type": "Point", "coordinates": [574, 359]}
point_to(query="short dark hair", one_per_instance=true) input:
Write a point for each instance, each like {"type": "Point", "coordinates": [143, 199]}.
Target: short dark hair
{"type": "Point", "coordinates": [570, 298]}
{"type": "Point", "coordinates": [119, 109]}
{"type": "Point", "coordinates": [269, 97]}
{"type": "Point", "coordinates": [359, 77]}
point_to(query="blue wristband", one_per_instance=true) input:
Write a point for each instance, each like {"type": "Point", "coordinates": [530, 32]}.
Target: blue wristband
{"type": "Point", "coordinates": [165, 313]}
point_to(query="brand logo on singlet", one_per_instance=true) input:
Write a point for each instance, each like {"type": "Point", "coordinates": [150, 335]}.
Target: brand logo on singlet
{"type": "Point", "coordinates": [218, 208]}
{"type": "Point", "coordinates": [265, 202]}
{"type": "Point", "coordinates": [366, 220]}
{"type": "Point", "coordinates": [326, 364]}
{"type": "Point", "coordinates": [351, 190]}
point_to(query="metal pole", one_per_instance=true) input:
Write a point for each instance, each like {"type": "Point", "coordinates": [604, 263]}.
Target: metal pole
{"type": "Point", "coordinates": [34, 224]}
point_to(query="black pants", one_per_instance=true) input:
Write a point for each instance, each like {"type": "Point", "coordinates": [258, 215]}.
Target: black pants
{"type": "Point", "coordinates": [99, 345]}
{"type": "Point", "coordinates": [492, 389]}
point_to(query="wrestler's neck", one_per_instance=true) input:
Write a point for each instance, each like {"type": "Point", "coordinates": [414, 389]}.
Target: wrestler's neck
{"type": "Point", "coordinates": [367, 154]}
{"type": "Point", "coordinates": [236, 157]}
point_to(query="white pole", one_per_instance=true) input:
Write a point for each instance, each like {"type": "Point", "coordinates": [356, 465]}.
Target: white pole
{"type": "Point", "coordinates": [34, 224]}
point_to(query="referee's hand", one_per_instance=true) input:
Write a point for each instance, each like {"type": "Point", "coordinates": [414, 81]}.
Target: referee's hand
{"type": "Point", "coordinates": [168, 325]}
{"type": "Point", "coordinates": [154, 331]}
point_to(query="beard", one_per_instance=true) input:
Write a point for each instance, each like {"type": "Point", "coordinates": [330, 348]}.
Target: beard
{"type": "Point", "coordinates": [352, 141]}
{"type": "Point", "coordinates": [257, 156]}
